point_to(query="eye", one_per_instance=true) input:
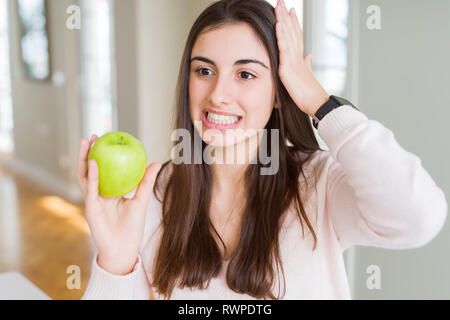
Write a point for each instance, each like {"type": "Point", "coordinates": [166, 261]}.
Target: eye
{"type": "Point", "coordinates": [248, 74]}
{"type": "Point", "coordinates": [200, 71]}
{"type": "Point", "coordinates": [204, 72]}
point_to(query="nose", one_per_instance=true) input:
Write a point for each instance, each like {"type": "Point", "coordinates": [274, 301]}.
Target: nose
{"type": "Point", "coordinates": [221, 94]}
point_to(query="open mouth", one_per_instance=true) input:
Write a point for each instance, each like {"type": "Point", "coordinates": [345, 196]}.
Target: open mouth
{"type": "Point", "coordinates": [214, 120]}
{"type": "Point", "coordinates": [220, 119]}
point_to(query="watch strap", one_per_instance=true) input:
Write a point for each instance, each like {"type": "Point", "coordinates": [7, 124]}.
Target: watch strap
{"type": "Point", "coordinates": [332, 103]}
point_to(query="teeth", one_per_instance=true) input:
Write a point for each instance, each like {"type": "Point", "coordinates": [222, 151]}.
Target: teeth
{"type": "Point", "coordinates": [221, 119]}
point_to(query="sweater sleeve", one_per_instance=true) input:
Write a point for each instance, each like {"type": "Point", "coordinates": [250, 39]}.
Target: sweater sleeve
{"type": "Point", "coordinates": [107, 286]}
{"type": "Point", "coordinates": [377, 193]}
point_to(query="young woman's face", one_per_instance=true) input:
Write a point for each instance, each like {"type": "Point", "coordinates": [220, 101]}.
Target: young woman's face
{"type": "Point", "coordinates": [226, 91]}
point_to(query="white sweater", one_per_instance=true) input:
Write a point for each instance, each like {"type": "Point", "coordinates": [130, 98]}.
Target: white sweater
{"type": "Point", "coordinates": [369, 192]}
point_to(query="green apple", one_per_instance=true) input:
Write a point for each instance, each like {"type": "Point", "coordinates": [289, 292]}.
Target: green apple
{"type": "Point", "coordinates": [121, 161]}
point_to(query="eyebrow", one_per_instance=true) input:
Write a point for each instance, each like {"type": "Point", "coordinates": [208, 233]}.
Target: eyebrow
{"type": "Point", "coordinates": [238, 62]}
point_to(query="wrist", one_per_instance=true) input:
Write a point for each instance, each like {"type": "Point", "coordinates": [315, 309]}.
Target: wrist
{"type": "Point", "coordinates": [319, 100]}
{"type": "Point", "coordinates": [117, 267]}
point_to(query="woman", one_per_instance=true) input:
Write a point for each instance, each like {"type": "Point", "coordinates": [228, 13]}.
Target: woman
{"type": "Point", "coordinates": [227, 231]}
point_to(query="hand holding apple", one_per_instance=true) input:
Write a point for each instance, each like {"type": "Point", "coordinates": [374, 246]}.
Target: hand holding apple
{"type": "Point", "coordinates": [116, 223]}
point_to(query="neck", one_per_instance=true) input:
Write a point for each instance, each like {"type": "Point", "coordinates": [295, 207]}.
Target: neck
{"type": "Point", "coordinates": [229, 173]}
{"type": "Point", "coordinates": [228, 177]}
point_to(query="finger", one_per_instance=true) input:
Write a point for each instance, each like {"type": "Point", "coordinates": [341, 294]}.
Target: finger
{"type": "Point", "coordinates": [298, 28]}
{"type": "Point", "coordinates": [281, 19]}
{"type": "Point", "coordinates": [94, 138]}
{"type": "Point", "coordinates": [281, 39]}
{"type": "Point", "coordinates": [83, 153]}
{"type": "Point", "coordinates": [92, 185]}
{"type": "Point", "coordinates": [145, 188]}
{"type": "Point", "coordinates": [288, 26]}
{"type": "Point", "coordinates": [285, 45]}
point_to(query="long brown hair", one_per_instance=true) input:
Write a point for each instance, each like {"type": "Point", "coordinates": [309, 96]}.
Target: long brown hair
{"type": "Point", "coordinates": [188, 254]}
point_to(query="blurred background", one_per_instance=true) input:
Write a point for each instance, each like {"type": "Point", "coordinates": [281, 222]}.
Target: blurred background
{"type": "Point", "coordinates": [70, 69]}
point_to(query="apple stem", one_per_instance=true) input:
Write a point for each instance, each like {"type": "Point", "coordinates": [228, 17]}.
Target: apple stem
{"type": "Point", "coordinates": [121, 139]}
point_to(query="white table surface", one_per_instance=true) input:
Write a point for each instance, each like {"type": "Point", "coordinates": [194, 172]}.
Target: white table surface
{"type": "Point", "coordinates": [15, 286]}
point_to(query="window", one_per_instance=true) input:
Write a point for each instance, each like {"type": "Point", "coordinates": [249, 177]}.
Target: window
{"type": "Point", "coordinates": [326, 33]}
{"type": "Point", "coordinates": [34, 40]}
{"type": "Point", "coordinates": [97, 71]}
{"type": "Point", "coordinates": [330, 68]}
{"type": "Point", "coordinates": [6, 115]}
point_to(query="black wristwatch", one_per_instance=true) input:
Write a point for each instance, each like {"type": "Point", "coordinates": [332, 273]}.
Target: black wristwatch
{"type": "Point", "coordinates": [332, 103]}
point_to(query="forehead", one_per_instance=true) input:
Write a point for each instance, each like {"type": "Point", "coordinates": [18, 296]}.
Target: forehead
{"type": "Point", "coordinates": [230, 43]}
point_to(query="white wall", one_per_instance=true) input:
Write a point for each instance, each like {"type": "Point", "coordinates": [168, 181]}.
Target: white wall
{"type": "Point", "coordinates": [404, 77]}
{"type": "Point", "coordinates": [162, 32]}
{"type": "Point", "coordinates": [149, 38]}
{"type": "Point", "coordinates": [46, 114]}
